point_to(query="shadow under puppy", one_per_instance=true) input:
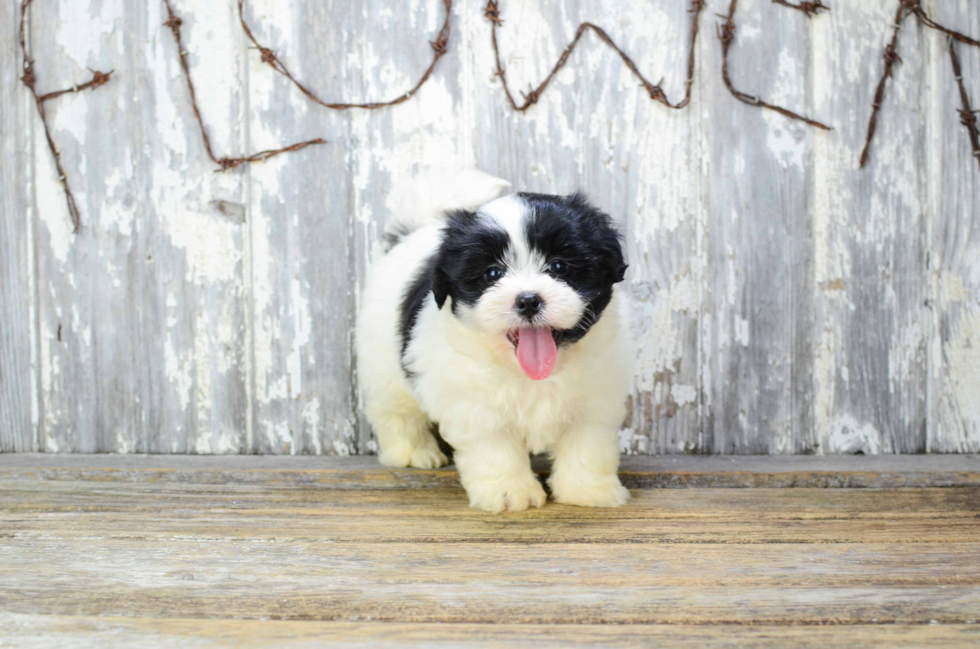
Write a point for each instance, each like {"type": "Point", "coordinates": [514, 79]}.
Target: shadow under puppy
{"type": "Point", "coordinates": [499, 320]}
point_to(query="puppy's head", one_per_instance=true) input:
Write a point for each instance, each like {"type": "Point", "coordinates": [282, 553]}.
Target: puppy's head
{"type": "Point", "coordinates": [532, 269]}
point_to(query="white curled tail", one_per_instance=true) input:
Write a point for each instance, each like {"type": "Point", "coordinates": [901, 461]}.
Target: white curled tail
{"type": "Point", "coordinates": [435, 195]}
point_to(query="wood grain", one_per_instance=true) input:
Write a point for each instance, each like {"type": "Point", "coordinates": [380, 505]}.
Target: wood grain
{"type": "Point", "coordinates": [871, 331]}
{"type": "Point", "coordinates": [261, 512]}
{"type": "Point", "coordinates": [193, 301]}
{"type": "Point", "coordinates": [298, 220]}
{"type": "Point", "coordinates": [18, 378]}
{"type": "Point", "coordinates": [783, 300]}
{"type": "Point", "coordinates": [638, 472]}
{"type": "Point", "coordinates": [757, 320]}
{"type": "Point", "coordinates": [57, 631]}
{"type": "Point", "coordinates": [954, 232]}
{"type": "Point", "coordinates": [286, 560]}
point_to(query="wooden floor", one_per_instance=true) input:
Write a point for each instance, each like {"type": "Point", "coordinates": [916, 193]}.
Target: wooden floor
{"type": "Point", "coordinates": [201, 552]}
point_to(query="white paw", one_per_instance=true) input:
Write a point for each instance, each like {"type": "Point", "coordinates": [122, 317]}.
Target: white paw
{"type": "Point", "coordinates": [601, 491]}
{"type": "Point", "coordinates": [514, 495]}
{"type": "Point", "coordinates": [426, 456]}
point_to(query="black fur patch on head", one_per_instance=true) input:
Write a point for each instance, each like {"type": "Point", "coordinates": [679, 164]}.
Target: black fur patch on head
{"type": "Point", "coordinates": [572, 230]}
{"type": "Point", "coordinates": [470, 245]}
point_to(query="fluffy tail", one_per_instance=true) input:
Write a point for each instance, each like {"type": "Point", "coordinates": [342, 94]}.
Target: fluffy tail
{"type": "Point", "coordinates": [436, 195]}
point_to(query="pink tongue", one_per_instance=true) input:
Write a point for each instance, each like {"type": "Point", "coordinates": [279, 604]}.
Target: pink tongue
{"type": "Point", "coordinates": [536, 352]}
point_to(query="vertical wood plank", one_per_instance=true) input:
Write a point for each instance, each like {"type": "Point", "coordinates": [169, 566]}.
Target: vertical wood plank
{"type": "Point", "coordinates": [141, 312]}
{"type": "Point", "coordinates": [954, 240]}
{"type": "Point", "coordinates": [389, 50]}
{"type": "Point", "coordinates": [86, 281]}
{"type": "Point", "coordinates": [18, 383]}
{"type": "Point", "coordinates": [596, 129]}
{"type": "Point", "coordinates": [757, 315]}
{"type": "Point", "coordinates": [192, 259]}
{"type": "Point", "coordinates": [870, 340]}
{"type": "Point", "coordinates": [784, 301]}
{"type": "Point", "coordinates": [298, 212]}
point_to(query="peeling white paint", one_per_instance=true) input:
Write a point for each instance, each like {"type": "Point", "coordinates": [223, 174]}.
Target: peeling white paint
{"type": "Point", "coordinates": [850, 436]}
{"type": "Point", "coordinates": [245, 293]}
{"type": "Point", "coordinates": [683, 394]}
{"type": "Point", "coordinates": [655, 334]}
{"type": "Point", "coordinates": [213, 253]}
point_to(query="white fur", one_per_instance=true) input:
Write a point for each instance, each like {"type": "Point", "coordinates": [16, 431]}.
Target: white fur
{"type": "Point", "coordinates": [467, 378]}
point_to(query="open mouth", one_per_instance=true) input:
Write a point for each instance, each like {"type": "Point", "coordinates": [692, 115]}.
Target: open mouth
{"type": "Point", "coordinates": [536, 350]}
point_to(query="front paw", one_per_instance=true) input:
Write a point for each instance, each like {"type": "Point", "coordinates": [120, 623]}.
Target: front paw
{"type": "Point", "coordinates": [516, 494]}
{"type": "Point", "coordinates": [425, 456]}
{"type": "Point", "coordinates": [588, 491]}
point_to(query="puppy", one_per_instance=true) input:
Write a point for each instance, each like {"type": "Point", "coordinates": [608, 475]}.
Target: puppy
{"type": "Point", "coordinates": [500, 322]}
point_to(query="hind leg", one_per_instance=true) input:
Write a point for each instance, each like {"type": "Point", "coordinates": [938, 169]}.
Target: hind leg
{"type": "Point", "coordinates": [403, 434]}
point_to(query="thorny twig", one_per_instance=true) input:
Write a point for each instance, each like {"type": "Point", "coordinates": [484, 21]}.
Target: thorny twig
{"type": "Point", "coordinates": [726, 34]}
{"type": "Point", "coordinates": [906, 7]}
{"type": "Point", "coordinates": [30, 80]}
{"type": "Point", "coordinates": [967, 114]}
{"type": "Point", "coordinates": [174, 23]}
{"type": "Point", "coordinates": [492, 13]}
{"type": "Point", "coordinates": [809, 8]}
{"type": "Point", "coordinates": [439, 48]}
{"type": "Point", "coordinates": [915, 7]}
{"type": "Point", "coordinates": [891, 57]}
{"type": "Point", "coordinates": [98, 79]}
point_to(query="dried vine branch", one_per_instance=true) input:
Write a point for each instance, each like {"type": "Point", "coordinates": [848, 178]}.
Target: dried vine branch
{"type": "Point", "coordinates": [809, 8]}
{"type": "Point", "coordinates": [98, 79]}
{"type": "Point", "coordinates": [891, 58]}
{"type": "Point", "coordinates": [726, 34]}
{"type": "Point", "coordinates": [492, 13]}
{"type": "Point", "coordinates": [914, 7]}
{"type": "Point", "coordinates": [174, 22]}
{"type": "Point", "coordinates": [30, 80]}
{"type": "Point", "coordinates": [439, 48]}
{"type": "Point", "coordinates": [967, 115]}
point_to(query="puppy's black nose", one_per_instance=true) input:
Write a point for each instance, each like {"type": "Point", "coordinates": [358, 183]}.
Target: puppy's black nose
{"type": "Point", "coordinates": [528, 304]}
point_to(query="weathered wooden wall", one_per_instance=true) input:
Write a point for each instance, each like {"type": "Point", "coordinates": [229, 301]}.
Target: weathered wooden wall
{"type": "Point", "coordinates": [785, 301]}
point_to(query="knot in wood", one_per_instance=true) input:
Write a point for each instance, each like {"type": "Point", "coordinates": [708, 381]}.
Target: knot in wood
{"type": "Point", "coordinates": [492, 13]}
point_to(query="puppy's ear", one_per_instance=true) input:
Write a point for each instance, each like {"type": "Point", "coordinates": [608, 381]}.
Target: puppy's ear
{"type": "Point", "coordinates": [440, 285]}
{"type": "Point", "coordinates": [612, 251]}
{"type": "Point", "coordinates": [621, 272]}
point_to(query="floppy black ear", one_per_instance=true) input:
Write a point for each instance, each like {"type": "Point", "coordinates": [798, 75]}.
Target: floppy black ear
{"type": "Point", "coordinates": [621, 272]}
{"type": "Point", "coordinates": [440, 285]}
{"type": "Point", "coordinates": [613, 253]}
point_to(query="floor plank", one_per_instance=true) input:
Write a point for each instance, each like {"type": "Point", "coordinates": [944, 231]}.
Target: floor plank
{"type": "Point", "coordinates": [637, 472]}
{"type": "Point", "coordinates": [98, 510]}
{"type": "Point", "coordinates": [85, 632]}
{"type": "Point", "coordinates": [106, 551]}
{"type": "Point", "coordinates": [485, 583]}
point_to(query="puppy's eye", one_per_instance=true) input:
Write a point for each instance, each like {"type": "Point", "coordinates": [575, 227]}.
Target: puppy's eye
{"type": "Point", "coordinates": [558, 267]}
{"type": "Point", "coordinates": [493, 274]}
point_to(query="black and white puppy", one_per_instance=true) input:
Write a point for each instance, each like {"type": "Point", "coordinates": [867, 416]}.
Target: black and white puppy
{"type": "Point", "coordinates": [503, 326]}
